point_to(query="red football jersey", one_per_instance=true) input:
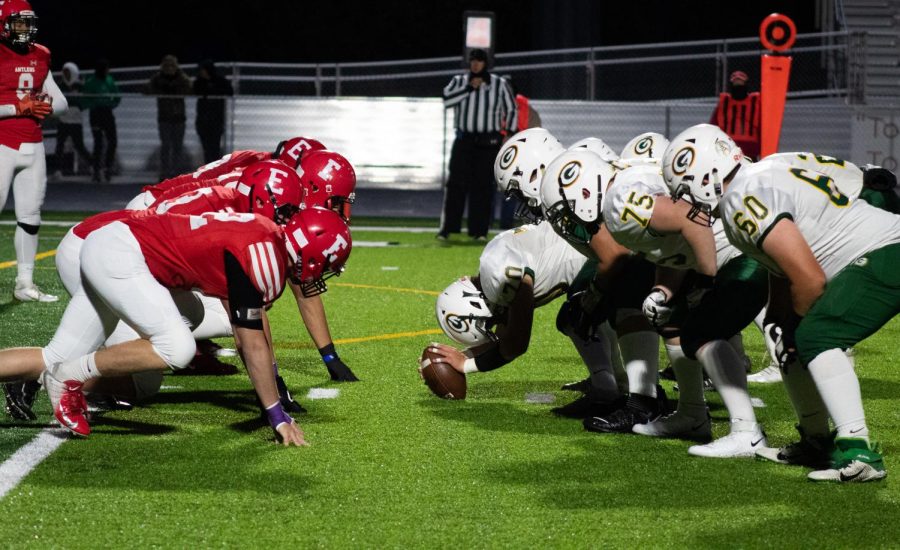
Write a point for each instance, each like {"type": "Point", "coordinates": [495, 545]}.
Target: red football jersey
{"type": "Point", "coordinates": [20, 75]}
{"type": "Point", "coordinates": [189, 251]}
{"type": "Point", "coordinates": [238, 160]}
{"type": "Point", "coordinates": [200, 199]}
{"type": "Point", "coordinates": [88, 225]}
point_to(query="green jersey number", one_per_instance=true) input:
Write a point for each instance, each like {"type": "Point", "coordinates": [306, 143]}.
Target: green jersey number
{"type": "Point", "coordinates": [644, 201]}
{"type": "Point", "coordinates": [757, 211]}
{"type": "Point", "coordinates": [824, 184]}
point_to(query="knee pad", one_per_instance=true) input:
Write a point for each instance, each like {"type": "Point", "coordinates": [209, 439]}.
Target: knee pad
{"type": "Point", "coordinates": [146, 384]}
{"type": "Point", "coordinates": [176, 346]}
{"type": "Point", "coordinates": [29, 228]}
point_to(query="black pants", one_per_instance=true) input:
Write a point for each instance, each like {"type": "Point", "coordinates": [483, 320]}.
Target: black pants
{"type": "Point", "coordinates": [171, 145]}
{"type": "Point", "coordinates": [75, 132]}
{"type": "Point", "coordinates": [471, 177]}
{"type": "Point", "coordinates": [103, 128]}
{"type": "Point", "coordinates": [211, 140]}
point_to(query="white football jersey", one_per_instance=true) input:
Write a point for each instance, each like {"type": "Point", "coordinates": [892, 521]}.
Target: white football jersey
{"type": "Point", "coordinates": [533, 249]}
{"type": "Point", "coordinates": [838, 229]}
{"type": "Point", "coordinates": [848, 177]}
{"type": "Point", "coordinates": [627, 208]}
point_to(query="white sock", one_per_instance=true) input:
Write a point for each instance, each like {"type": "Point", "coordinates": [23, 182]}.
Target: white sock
{"type": "Point", "coordinates": [726, 370]}
{"type": "Point", "coordinates": [595, 355]}
{"type": "Point", "coordinates": [689, 375]}
{"type": "Point", "coordinates": [81, 369]}
{"type": "Point", "coordinates": [640, 353]}
{"type": "Point", "coordinates": [812, 416]}
{"type": "Point", "coordinates": [839, 388]}
{"type": "Point", "coordinates": [615, 357]}
{"type": "Point", "coordinates": [760, 318]}
{"type": "Point", "coordinates": [26, 248]}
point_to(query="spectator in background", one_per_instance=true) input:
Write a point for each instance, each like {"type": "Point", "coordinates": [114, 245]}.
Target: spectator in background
{"type": "Point", "coordinates": [738, 114]}
{"type": "Point", "coordinates": [484, 106]}
{"type": "Point", "coordinates": [101, 97]}
{"type": "Point", "coordinates": [210, 121]}
{"type": "Point", "coordinates": [70, 125]}
{"type": "Point", "coordinates": [171, 85]}
{"type": "Point", "coordinates": [526, 117]}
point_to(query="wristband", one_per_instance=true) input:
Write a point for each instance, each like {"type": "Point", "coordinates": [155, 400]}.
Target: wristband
{"type": "Point", "coordinates": [490, 360]}
{"type": "Point", "coordinates": [277, 416]}
{"type": "Point", "coordinates": [470, 366]}
{"type": "Point", "coordinates": [328, 353]}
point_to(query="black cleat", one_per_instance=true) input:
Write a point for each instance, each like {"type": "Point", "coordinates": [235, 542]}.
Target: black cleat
{"type": "Point", "coordinates": [287, 400]}
{"type": "Point", "coordinates": [586, 406]}
{"type": "Point", "coordinates": [619, 421]}
{"type": "Point", "coordinates": [20, 398]}
{"type": "Point", "coordinates": [583, 386]}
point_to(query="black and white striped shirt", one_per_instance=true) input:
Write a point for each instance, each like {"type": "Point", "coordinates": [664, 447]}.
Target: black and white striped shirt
{"type": "Point", "coordinates": [490, 108]}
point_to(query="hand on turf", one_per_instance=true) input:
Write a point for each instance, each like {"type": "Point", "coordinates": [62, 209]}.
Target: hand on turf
{"type": "Point", "coordinates": [340, 372]}
{"type": "Point", "coordinates": [451, 355]}
{"type": "Point", "coordinates": [291, 434]}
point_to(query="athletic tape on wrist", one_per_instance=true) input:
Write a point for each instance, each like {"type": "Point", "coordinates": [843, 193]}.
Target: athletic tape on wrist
{"type": "Point", "coordinates": [277, 416]}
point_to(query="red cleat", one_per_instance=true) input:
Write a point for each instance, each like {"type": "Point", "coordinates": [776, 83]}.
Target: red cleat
{"type": "Point", "coordinates": [69, 404]}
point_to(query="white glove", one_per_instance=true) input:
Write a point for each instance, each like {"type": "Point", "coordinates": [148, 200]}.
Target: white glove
{"type": "Point", "coordinates": [655, 309]}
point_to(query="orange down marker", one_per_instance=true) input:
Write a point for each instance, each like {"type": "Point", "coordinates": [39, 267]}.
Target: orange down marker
{"type": "Point", "coordinates": [777, 33]}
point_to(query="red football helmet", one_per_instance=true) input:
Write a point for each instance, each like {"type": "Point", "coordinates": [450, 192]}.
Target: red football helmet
{"type": "Point", "coordinates": [18, 22]}
{"type": "Point", "coordinates": [318, 241]}
{"type": "Point", "coordinates": [328, 181]}
{"type": "Point", "coordinates": [273, 188]}
{"type": "Point", "coordinates": [291, 150]}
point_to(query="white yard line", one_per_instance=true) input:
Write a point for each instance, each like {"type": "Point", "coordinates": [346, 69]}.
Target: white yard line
{"type": "Point", "coordinates": [26, 459]}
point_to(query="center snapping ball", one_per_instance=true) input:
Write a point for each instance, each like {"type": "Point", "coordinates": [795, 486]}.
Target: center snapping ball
{"type": "Point", "coordinates": [440, 377]}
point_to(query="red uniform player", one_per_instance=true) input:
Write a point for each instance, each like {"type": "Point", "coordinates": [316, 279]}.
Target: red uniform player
{"type": "Point", "coordinates": [28, 94]}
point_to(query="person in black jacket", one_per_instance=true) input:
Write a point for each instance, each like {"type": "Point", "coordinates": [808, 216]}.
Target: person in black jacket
{"type": "Point", "coordinates": [211, 87]}
{"type": "Point", "coordinates": [170, 84]}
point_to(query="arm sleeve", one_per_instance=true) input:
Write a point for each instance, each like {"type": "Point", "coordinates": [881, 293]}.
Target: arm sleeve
{"type": "Point", "coordinates": [58, 100]}
{"type": "Point", "coordinates": [245, 303]}
{"type": "Point", "coordinates": [456, 91]}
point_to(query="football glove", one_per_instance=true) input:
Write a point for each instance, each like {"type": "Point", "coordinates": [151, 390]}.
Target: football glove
{"type": "Point", "coordinates": [340, 372]}
{"type": "Point", "coordinates": [33, 107]}
{"type": "Point", "coordinates": [655, 309]}
{"type": "Point", "coordinates": [780, 344]}
{"type": "Point", "coordinates": [878, 178]}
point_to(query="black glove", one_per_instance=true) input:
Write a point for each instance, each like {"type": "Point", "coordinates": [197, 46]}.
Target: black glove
{"type": "Point", "coordinates": [287, 400]}
{"type": "Point", "coordinates": [702, 285]}
{"type": "Point", "coordinates": [339, 371]}
{"type": "Point", "coordinates": [582, 313]}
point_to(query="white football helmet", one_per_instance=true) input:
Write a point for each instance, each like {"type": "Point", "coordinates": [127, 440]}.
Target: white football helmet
{"type": "Point", "coordinates": [572, 191]}
{"type": "Point", "coordinates": [696, 164]}
{"type": "Point", "coordinates": [464, 315]}
{"type": "Point", "coordinates": [646, 148]}
{"type": "Point", "coordinates": [519, 166]}
{"type": "Point", "coordinates": [596, 145]}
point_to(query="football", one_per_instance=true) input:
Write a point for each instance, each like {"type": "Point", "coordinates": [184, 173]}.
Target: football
{"type": "Point", "coordinates": [441, 378]}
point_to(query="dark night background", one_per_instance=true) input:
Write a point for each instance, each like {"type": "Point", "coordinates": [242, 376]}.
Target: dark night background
{"type": "Point", "coordinates": [138, 32]}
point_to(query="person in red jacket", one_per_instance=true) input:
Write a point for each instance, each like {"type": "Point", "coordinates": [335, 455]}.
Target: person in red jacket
{"type": "Point", "coordinates": [738, 114]}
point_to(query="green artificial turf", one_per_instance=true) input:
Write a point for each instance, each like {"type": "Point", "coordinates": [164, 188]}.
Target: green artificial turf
{"type": "Point", "coordinates": [390, 465]}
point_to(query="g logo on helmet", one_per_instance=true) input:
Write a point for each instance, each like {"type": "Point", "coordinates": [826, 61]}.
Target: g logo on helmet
{"type": "Point", "coordinates": [569, 173]}
{"type": "Point", "coordinates": [643, 146]}
{"type": "Point", "coordinates": [723, 147]}
{"type": "Point", "coordinates": [457, 323]}
{"type": "Point", "coordinates": [683, 160]}
{"type": "Point", "coordinates": [508, 157]}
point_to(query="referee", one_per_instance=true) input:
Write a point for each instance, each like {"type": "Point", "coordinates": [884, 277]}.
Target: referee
{"type": "Point", "coordinates": [484, 104]}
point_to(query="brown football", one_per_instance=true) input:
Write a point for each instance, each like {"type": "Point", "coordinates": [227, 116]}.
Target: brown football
{"type": "Point", "coordinates": [441, 378]}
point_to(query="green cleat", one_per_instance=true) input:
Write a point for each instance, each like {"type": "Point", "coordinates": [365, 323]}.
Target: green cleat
{"type": "Point", "coordinates": [853, 461]}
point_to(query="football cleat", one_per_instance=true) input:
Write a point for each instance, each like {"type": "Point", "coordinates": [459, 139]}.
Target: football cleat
{"type": "Point", "coordinates": [69, 404]}
{"type": "Point", "coordinates": [621, 420]}
{"type": "Point", "coordinates": [768, 375]}
{"type": "Point", "coordinates": [582, 386]}
{"type": "Point", "coordinates": [813, 452]}
{"type": "Point", "coordinates": [287, 400]}
{"type": "Point", "coordinates": [31, 293]}
{"type": "Point", "coordinates": [738, 444]}
{"type": "Point", "coordinates": [678, 426]}
{"type": "Point", "coordinates": [20, 399]}
{"type": "Point", "coordinates": [586, 406]}
{"type": "Point", "coordinates": [853, 461]}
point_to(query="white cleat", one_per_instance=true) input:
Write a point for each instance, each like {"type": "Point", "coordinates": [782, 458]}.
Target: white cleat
{"type": "Point", "coordinates": [768, 375]}
{"type": "Point", "coordinates": [31, 293]}
{"type": "Point", "coordinates": [737, 444]}
{"type": "Point", "coordinates": [679, 426]}
{"type": "Point", "coordinates": [855, 472]}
